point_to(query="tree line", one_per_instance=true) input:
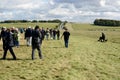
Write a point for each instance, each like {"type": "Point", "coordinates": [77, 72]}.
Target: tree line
{"type": "Point", "coordinates": [106, 22]}
{"type": "Point", "coordinates": [33, 21]}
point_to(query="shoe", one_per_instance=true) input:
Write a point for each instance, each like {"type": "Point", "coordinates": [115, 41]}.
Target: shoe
{"type": "Point", "coordinates": [14, 59]}
{"type": "Point", "coordinates": [2, 58]}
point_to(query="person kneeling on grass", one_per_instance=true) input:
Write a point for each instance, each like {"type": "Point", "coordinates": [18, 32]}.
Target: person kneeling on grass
{"type": "Point", "coordinates": [66, 35]}
{"type": "Point", "coordinates": [36, 42]}
{"type": "Point", "coordinates": [102, 38]}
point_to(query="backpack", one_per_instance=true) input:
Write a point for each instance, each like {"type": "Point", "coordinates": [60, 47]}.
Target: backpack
{"type": "Point", "coordinates": [36, 40]}
{"type": "Point", "coordinates": [36, 37]}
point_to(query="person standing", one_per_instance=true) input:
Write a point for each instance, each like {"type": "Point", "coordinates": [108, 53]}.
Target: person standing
{"type": "Point", "coordinates": [9, 44]}
{"type": "Point", "coordinates": [43, 33]}
{"type": "Point", "coordinates": [47, 33]}
{"type": "Point", "coordinates": [51, 33]}
{"type": "Point", "coordinates": [28, 36]}
{"type": "Point", "coordinates": [16, 37]}
{"type": "Point", "coordinates": [36, 40]}
{"type": "Point", "coordinates": [58, 34]}
{"type": "Point", "coordinates": [66, 35]}
{"type": "Point", "coordinates": [54, 34]}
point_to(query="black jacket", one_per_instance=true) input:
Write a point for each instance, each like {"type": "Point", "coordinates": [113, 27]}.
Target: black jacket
{"type": "Point", "coordinates": [66, 35]}
{"type": "Point", "coordinates": [9, 40]}
{"type": "Point", "coordinates": [36, 37]}
{"type": "Point", "coordinates": [28, 33]}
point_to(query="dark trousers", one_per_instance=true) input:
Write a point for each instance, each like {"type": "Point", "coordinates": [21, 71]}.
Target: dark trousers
{"type": "Point", "coordinates": [39, 51]}
{"type": "Point", "coordinates": [3, 44]}
{"type": "Point", "coordinates": [102, 39]}
{"type": "Point", "coordinates": [11, 51]}
{"type": "Point", "coordinates": [54, 37]}
{"type": "Point", "coordinates": [66, 43]}
{"type": "Point", "coordinates": [58, 37]}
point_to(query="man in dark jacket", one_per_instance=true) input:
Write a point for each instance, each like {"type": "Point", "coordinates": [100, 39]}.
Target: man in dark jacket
{"type": "Point", "coordinates": [9, 44]}
{"type": "Point", "coordinates": [28, 36]}
{"type": "Point", "coordinates": [36, 40]}
{"type": "Point", "coordinates": [66, 35]}
{"type": "Point", "coordinates": [54, 34]}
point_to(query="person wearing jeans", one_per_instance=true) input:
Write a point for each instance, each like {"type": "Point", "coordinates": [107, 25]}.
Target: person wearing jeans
{"type": "Point", "coordinates": [66, 35]}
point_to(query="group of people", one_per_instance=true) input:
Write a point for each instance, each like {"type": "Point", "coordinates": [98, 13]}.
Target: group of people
{"type": "Point", "coordinates": [34, 38]}
{"type": "Point", "coordinates": [48, 34]}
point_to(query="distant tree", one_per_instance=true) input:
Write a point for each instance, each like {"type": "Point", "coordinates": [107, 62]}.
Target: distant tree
{"type": "Point", "coordinates": [34, 21]}
{"type": "Point", "coordinates": [106, 22]}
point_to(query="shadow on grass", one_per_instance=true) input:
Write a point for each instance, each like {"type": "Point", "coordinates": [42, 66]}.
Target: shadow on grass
{"type": "Point", "coordinates": [10, 59]}
{"type": "Point", "coordinates": [54, 47]}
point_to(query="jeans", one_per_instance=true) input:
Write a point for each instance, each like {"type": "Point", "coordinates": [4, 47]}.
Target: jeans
{"type": "Point", "coordinates": [66, 43]}
{"type": "Point", "coordinates": [47, 36]}
{"type": "Point", "coordinates": [16, 43]}
{"type": "Point", "coordinates": [39, 51]}
{"type": "Point", "coordinates": [54, 37]}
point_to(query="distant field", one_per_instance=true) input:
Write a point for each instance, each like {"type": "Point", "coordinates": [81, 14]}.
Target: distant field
{"type": "Point", "coordinates": [85, 59]}
{"type": "Point", "coordinates": [89, 30]}
{"type": "Point", "coordinates": [25, 25]}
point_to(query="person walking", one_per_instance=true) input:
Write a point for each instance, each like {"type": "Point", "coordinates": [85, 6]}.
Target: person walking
{"type": "Point", "coordinates": [9, 44]}
{"type": "Point", "coordinates": [66, 35]}
{"type": "Point", "coordinates": [36, 40]}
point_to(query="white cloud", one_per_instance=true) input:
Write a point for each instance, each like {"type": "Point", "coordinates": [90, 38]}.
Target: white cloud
{"type": "Point", "coordinates": [27, 6]}
{"type": "Point", "coordinates": [103, 2]}
{"type": "Point", "coordinates": [7, 15]}
{"type": "Point", "coordinates": [52, 2]}
{"type": "Point", "coordinates": [112, 14]}
{"type": "Point", "coordinates": [71, 10]}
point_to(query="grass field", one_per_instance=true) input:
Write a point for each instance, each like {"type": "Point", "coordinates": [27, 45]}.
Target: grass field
{"type": "Point", "coordinates": [25, 25]}
{"type": "Point", "coordinates": [85, 59]}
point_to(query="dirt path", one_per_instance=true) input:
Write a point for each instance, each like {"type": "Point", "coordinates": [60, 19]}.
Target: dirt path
{"type": "Point", "coordinates": [69, 26]}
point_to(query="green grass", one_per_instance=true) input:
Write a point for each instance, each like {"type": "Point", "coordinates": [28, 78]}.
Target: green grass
{"type": "Point", "coordinates": [85, 59]}
{"type": "Point", "coordinates": [25, 25]}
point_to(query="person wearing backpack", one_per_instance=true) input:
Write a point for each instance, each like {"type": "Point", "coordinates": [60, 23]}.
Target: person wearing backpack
{"type": "Point", "coordinates": [36, 42]}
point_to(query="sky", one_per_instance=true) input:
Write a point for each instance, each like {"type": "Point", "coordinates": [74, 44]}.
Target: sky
{"type": "Point", "coordinates": [85, 11]}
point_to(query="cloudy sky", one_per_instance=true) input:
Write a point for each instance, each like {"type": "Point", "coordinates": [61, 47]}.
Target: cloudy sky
{"type": "Point", "coordinates": [70, 10]}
